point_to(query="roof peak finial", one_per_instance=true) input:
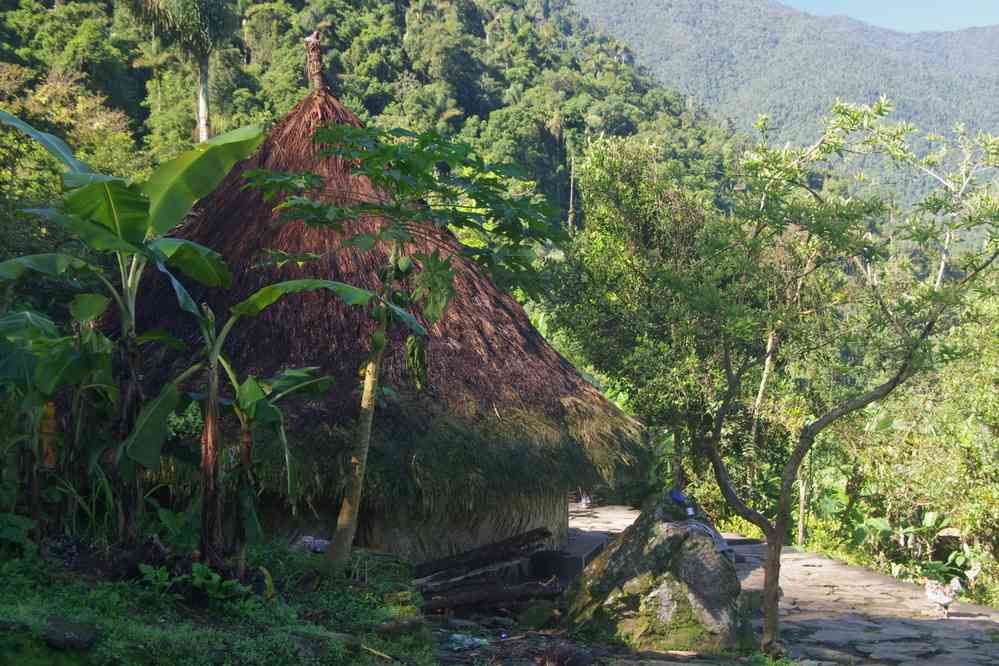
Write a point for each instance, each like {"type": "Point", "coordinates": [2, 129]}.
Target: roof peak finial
{"type": "Point", "coordinates": [314, 61]}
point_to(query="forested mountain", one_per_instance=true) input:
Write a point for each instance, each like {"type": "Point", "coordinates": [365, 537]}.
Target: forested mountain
{"type": "Point", "coordinates": [742, 58]}
{"type": "Point", "coordinates": [522, 80]}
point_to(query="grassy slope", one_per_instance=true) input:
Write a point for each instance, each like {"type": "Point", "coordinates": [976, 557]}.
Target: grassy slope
{"type": "Point", "coordinates": [747, 57]}
{"type": "Point", "coordinates": [140, 627]}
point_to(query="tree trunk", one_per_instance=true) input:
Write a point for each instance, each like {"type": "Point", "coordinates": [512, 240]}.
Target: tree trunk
{"type": "Point", "coordinates": [203, 120]}
{"type": "Point", "coordinates": [346, 523]}
{"type": "Point", "coordinates": [771, 591]}
{"type": "Point", "coordinates": [804, 485]}
{"type": "Point", "coordinates": [212, 547]}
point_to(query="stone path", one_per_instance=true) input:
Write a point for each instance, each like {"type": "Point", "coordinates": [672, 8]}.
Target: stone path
{"type": "Point", "coordinates": [840, 614]}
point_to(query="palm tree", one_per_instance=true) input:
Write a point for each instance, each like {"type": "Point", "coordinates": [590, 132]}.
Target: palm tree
{"type": "Point", "coordinates": [196, 28]}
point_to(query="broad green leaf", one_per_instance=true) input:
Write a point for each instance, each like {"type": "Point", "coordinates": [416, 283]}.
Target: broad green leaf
{"type": "Point", "coordinates": [194, 260]}
{"type": "Point", "coordinates": [248, 512]}
{"type": "Point", "coordinates": [27, 325]}
{"type": "Point", "coordinates": [292, 380]}
{"type": "Point", "coordinates": [60, 366]}
{"type": "Point", "coordinates": [94, 235]}
{"type": "Point", "coordinates": [74, 179]}
{"type": "Point", "coordinates": [146, 441]}
{"type": "Point", "coordinates": [248, 394]}
{"type": "Point", "coordinates": [176, 185]}
{"type": "Point", "coordinates": [50, 264]}
{"type": "Point", "coordinates": [56, 146]}
{"type": "Point", "coordinates": [118, 207]}
{"type": "Point", "coordinates": [879, 524]}
{"type": "Point", "coordinates": [184, 299]}
{"type": "Point", "coordinates": [162, 337]}
{"type": "Point", "coordinates": [88, 307]}
{"type": "Point", "coordinates": [17, 365]}
{"type": "Point", "coordinates": [269, 295]}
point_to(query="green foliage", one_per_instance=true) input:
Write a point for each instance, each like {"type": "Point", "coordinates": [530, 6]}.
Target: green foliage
{"type": "Point", "coordinates": [766, 58]}
{"type": "Point", "coordinates": [142, 623]}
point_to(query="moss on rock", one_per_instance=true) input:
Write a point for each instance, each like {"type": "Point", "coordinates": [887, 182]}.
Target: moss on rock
{"type": "Point", "coordinates": [660, 586]}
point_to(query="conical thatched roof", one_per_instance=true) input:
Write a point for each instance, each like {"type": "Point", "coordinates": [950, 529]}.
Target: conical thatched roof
{"type": "Point", "coordinates": [502, 414]}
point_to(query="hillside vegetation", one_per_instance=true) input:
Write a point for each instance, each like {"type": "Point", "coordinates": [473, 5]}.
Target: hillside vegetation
{"type": "Point", "coordinates": [521, 80]}
{"type": "Point", "coordinates": [743, 58]}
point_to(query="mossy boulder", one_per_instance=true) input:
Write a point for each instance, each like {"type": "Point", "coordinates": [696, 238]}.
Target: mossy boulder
{"type": "Point", "coordinates": [660, 586]}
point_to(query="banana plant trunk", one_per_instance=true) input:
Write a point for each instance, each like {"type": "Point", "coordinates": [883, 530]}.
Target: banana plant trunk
{"type": "Point", "coordinates": [203, 120]}
{"type": "Point", "coordinates": [245, 480]}
{"type": "Point", "coordinates": [346, 524]}
{"type": "Point", "coordinates": [130, 495]}
{"type": "Point", "coordinates": [212, 546]}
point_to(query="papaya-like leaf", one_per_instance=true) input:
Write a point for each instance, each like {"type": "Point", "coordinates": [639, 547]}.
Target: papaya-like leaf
{"type": "Point", "coordinates": [117, 206]}
{"type": "Point", "coordinates": [194, 260]}
{"type": "Point", "coordinates": [176, 185]}
{"type": "Point", "coordinates": [406, 318]}
{"type": "Point", "coordinates": [264, 298]}
{"type": "Point", "coordinates": [51, 264]}
{"type": "Point", "coordinates": [53, 144]}
{"type": "Point", "coordinates": [146, 441]}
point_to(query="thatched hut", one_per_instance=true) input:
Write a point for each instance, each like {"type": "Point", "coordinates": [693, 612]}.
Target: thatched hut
{"type": "Point", "coordinates": [487, 449]}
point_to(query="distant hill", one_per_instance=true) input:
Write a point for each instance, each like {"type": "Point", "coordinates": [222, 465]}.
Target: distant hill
{"type": "Point", "coordinates": [742, 58]}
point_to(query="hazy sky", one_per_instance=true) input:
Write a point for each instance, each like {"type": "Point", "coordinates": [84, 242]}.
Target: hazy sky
{"type": "Point", "coordinates": [908, 15]}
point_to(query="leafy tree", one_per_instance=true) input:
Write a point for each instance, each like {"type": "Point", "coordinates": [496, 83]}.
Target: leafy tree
{"type": "Point", "coordinates": [425, 181]}
{"type": "Point", "coordinates": [783, 288]}
{"type": "Point", "coordinates": [196, 28]}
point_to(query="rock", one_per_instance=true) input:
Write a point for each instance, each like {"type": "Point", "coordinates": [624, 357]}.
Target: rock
{"type": "Point", "coordinates": [505, 622]}
{"type": "Point", "coordinates": [311, 544]}
{"type": "Point", "coordinates": [461, 642]}
{"type": "Point", "coordinates": [61, 634]}
{"type": "Point", "coordinates": [661, 585]}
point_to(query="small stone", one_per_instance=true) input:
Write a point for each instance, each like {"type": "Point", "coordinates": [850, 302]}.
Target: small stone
{"type": "Point", "coordinates": [62, 634]}
{"type": "Point", "coordinates": [459, 642]}
{"type": "Point", "coordinates": [505, 622]}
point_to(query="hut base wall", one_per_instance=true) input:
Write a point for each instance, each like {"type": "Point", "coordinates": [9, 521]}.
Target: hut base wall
{"type": "Point", "coordinates": [442, 534]}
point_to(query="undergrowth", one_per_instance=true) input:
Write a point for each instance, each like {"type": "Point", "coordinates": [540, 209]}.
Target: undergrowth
{"type": "Point", "coordinates": [142, 624]}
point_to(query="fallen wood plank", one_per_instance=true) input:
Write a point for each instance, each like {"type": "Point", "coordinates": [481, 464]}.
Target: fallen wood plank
{"type": "Point", "coordinates": [492, 594]}
{"type": "Point", "coordinates": [483, 555]}
{"type": "Point", "coordinates": [443, 580]}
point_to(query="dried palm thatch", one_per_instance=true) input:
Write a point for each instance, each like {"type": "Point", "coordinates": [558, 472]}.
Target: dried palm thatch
{"type": "Point", "coordinates": [502, 414]}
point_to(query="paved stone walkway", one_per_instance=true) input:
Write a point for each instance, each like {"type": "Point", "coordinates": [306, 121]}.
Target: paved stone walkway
{"type": "Point", "coordinates": [835, 613]}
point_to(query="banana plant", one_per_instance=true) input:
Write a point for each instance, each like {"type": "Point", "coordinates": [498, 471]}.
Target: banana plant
{"type": "Point", "coordinates": [213, 338]}
{"type": "Point", "coordinates": [255, 406]}
{"type": "Point", "coordinates": [129, 220]}
{"type": "Point", "coordinates": [40, 361]}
